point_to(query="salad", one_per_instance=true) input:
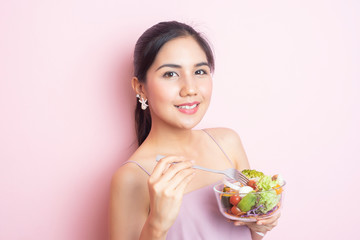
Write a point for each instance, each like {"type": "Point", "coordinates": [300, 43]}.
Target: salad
{"type": "Point", "coordinates": [260, 198]}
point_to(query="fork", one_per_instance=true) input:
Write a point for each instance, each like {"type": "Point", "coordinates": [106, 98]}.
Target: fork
{"type": "Point", "coordinates": [230, 173]}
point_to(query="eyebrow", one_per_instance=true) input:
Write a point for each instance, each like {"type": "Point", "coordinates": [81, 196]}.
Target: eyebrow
{"type": "Point", "coordinates": [178, 66]}
{"type": "Point", "coordinates": [202, 64]}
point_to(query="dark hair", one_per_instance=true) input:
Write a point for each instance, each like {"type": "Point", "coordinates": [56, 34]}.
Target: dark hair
{"type": "Point", "coordinates": [146, 49]}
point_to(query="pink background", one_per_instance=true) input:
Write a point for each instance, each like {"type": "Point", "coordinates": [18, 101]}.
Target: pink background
{"type": "Point", "coordinates": [287, 80]}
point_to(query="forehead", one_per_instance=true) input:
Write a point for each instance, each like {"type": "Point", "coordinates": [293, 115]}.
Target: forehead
{"type": "Point", "coordinates": [182, 51]}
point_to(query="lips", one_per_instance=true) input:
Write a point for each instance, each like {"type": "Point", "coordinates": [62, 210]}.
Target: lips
{"type": "Point", "coordinates": [188, 105]}
{"type": "Point", "coordinates": [188, 108]}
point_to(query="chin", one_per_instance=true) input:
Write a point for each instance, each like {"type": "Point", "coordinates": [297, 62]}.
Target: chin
{"type": "Point", "coordinates": [190, 124]}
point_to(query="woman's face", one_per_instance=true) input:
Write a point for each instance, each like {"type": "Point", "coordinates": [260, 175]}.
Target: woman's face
{"type": "Point", "coordinates": [179, 84]}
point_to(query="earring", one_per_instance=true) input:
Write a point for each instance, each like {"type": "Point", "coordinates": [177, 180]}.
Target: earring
{"type": "Point", "coordinates": [142, 101]}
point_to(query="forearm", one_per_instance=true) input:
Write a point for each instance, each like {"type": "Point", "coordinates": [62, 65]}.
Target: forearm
{"type": "Point", "coordinates": [151, 232]}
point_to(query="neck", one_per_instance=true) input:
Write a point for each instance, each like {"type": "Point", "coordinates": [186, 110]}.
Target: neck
{"type": "Point", "coordinates": [166, 140]}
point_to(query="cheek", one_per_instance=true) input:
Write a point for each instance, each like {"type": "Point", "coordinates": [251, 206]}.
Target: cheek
{"type": "Point", "coordinates": [206, 89]}
{"type": "Point", "coordinates": [159, 93]}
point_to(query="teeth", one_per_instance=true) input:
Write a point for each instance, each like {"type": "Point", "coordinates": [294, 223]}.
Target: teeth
{"type": "Point", "coordinates": [187, 107]}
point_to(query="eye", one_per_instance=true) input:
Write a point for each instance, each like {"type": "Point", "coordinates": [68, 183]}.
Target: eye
{"type": "Point", "coordinates": [200, 72]}
{"type": "Point", "coordinates": [170, 74]}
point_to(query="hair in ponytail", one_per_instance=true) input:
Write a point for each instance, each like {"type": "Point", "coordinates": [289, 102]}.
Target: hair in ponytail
{"type": "Point", "coordinates": [146, 49]}
{"type": "Point", "coordinates": [142, 123]}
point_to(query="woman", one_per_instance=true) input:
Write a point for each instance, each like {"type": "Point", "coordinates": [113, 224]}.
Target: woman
{"type": "Point", "coordinates": [173, 68]}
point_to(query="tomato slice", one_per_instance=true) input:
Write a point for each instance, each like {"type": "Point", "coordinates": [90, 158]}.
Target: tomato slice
{"type": "Point", "coordinates": [236, 211]}
{"type": "Point", "coordinates": [235, 199]}
{"type": "Point", "coordinates": [252, 183]}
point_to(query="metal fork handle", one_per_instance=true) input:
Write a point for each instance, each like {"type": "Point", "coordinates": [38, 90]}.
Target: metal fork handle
{"type": "Point", "coordinates": [214, 171]}
{"type": "Point", "coordinates": [208, 169]}
{"type": "Point", "coordinates": [159, 157]}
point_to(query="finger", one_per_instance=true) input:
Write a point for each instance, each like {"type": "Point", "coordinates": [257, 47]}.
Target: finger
{"type": "Point", "coordinates": [238, 223]}
{"type": "Point", "coordinates": [275, 216]}
{"type": "Point", "coordinates": [251, 226]}
{"type": "Point", "coordinates": [180, 176]}
{"type": "Point", "coordinates": [267, 227]}
{"type": "Point", "coordinates": [174, 169]}
{"type": "Point", "coordinates": [182, 185]}
{"type": "Point", "coordinates": [257, 228]}
{"type": "Point", "coordinates": [163, 164]}
{"type": "Point", "coordinates": [274, 224]}
{"type": "Point", "coordinates": [268, 220]}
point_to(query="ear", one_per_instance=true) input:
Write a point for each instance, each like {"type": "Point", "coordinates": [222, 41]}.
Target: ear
{"type": "Point", "coordinates": [138, 87]}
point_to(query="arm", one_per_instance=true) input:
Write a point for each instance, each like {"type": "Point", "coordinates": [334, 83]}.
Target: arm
{"type": "Point", "coordinates": [131, 198]}
{"type": "Point", "coordinates": [129, 203]}
{"type": "Point", "coordinates": [129, 206]}
{"type": "Point", "coordinates": [255, 236]}
{"type": "Point", "coordinates": [261, 226]}
{"type": "Point", "coordinates": [232, 144]}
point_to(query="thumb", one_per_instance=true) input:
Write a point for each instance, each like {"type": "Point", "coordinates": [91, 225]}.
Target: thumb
{"type": "Point", "coordinates": [238, 223]}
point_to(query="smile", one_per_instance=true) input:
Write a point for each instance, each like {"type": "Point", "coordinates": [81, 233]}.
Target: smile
{"type": "Point", "coordinates": [187, 106]}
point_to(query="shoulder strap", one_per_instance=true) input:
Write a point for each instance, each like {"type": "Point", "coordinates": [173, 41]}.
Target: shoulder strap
{"type": "Point", "coordinates": [232, 164]}
{"type": "Point", "coordinates": [138, 165]}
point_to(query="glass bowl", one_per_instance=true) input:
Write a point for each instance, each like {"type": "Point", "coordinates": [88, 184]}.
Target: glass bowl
{"type": "Point", "coordinates": [256, 205]}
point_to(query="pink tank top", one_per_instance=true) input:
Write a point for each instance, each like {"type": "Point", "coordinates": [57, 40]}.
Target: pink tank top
{"type": "Point", "coordinates": [199, 217]}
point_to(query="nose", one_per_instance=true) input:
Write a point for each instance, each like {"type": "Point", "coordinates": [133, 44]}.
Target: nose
{"type": "Point", "coordinates": [189, 87]}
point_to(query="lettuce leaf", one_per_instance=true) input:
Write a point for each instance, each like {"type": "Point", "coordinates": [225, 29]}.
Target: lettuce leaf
{"type": "Point", "coordinates": [268, 200]}
{"type": "Point", "coordinates": [266, 183]}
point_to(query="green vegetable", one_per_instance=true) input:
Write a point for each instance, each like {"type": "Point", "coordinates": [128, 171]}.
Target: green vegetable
{"type": "Point", "coordinates": [252, 173]}
{"type": "Point", "coordinates": [266, 183]}
{"type": "Point", "coordinates": [247, 202]}
{"type": "Point", "coordinates": [268, 200]}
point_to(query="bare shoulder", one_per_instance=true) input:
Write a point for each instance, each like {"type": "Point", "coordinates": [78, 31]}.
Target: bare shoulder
{"type": "Point", "coordinates": [231, 142]}
{"type": "Point", "coordinates": [224, 135]}
{"type": "Point", "coordinates": [131, 175]}
{"type": "Point", "coordinates": [127, 212]}
{"type": "Point", "coordinates": [128, 175]}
